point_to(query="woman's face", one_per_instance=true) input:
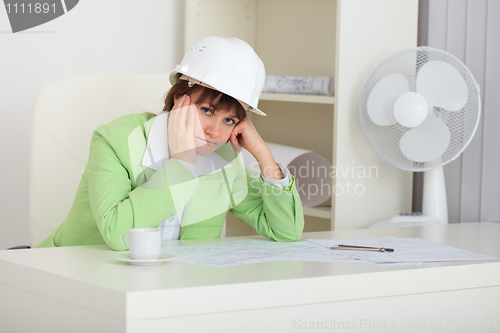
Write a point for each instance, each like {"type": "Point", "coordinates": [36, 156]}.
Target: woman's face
{"type": "Point", "coordinates": [212, 129]}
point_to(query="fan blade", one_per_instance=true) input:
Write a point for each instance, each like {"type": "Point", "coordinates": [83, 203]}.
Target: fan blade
{"type": "Point", "coordinates": [382, 97]}
{"type": "Point", "coordinates": [442, 85]}
{"type": "Point", "coordinates": [427, 141]}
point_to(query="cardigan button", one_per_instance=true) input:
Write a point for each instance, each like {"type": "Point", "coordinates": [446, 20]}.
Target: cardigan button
{"type": "Point", "coordinates": [174, 212]}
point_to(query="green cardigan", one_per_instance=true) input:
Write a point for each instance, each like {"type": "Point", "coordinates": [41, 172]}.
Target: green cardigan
{"type": "Point", "coordinates": [117, 193]}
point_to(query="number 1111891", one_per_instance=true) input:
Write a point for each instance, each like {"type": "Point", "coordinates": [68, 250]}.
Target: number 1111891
{"type": "Point", "coordinates": [30, 8]}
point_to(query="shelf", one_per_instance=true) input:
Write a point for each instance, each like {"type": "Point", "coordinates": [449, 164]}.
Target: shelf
{"type": "Point", "coordinates": [297, 98]}
{"type": "Point", "coordinates": [323, 212]}
{"type": "Point", "coordinates": [282, 33]}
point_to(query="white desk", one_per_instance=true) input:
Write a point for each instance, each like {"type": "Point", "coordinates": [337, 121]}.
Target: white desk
{"type": "Point", "coordinates": [82, 289]}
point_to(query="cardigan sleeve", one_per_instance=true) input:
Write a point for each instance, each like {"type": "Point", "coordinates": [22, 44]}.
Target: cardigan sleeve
{"type": "Point", "coordinates": [273, 212]}
{"type": "Point", "coordinates": [118, 207]}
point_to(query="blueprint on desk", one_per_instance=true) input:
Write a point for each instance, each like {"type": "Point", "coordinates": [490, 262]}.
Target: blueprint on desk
{"type": "Point", "coordinates": [254, 251]}
{"type": "Point", "coordinates": [407, 251]}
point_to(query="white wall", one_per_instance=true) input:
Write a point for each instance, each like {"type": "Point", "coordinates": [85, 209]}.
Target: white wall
{"type": "Point", "coordinates": [97, 36]}
{"type": "Point", "coordinates": [470, 30]}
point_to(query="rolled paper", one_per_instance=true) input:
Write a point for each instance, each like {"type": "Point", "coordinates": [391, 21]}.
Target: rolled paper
{"type": "Point", "coordinates": [306, 85]}
{"type": "Point", "coordinates": [312, 171]}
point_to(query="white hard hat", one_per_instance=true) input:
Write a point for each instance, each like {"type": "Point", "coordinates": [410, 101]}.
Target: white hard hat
{"type": "Point", "coordinates": [229, 65]}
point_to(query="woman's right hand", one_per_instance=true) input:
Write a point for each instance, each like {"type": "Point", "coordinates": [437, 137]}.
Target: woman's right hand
{"type": "Point", "coordinates": [180, 130]}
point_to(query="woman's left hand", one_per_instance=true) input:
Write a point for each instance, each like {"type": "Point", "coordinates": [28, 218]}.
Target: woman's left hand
{"type": "Point", "coordinates": [245, 135]}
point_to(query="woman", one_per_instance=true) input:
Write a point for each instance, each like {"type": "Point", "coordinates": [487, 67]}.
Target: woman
{"type": "Point", "coordinates": [181, 171]}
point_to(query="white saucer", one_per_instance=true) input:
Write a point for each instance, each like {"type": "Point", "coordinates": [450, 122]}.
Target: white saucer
{"type": "Point", "coordinates": [126, 257]}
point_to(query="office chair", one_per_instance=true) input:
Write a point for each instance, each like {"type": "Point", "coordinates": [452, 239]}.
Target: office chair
{"type": "Point", "coordinates": [65, 114]}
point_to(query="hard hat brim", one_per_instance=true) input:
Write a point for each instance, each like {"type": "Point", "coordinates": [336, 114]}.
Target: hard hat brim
{"type": "Point", "coordinates": [175, 76]}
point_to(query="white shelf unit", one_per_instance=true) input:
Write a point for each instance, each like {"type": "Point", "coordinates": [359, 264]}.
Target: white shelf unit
{"type": "Point", "coordinates": [298, 98]}
{"type": "Point", "coordinates": [343, 39]}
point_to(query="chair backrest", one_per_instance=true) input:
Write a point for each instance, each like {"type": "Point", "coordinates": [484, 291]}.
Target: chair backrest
{"type": "Point", "coordinates": [65, 114]}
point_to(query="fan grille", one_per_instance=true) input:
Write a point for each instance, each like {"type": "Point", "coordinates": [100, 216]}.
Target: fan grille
{"type": "Point", "coordinates": [462, 124]}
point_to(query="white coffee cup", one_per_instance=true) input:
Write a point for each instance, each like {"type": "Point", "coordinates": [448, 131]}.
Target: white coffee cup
{"type": "Point", "coordinates": [144, 243]}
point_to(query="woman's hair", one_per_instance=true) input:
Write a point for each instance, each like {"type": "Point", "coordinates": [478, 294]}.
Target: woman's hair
{"type": "Point", "coordinates": [216, 99]}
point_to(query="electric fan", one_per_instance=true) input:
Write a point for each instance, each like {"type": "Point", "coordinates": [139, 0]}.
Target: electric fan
{"type": "Point", "coordinates": [419, 110]}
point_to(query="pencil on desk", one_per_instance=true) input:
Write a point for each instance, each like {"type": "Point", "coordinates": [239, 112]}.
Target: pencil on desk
{"type": "Point", "coordinates": [360, 248]}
